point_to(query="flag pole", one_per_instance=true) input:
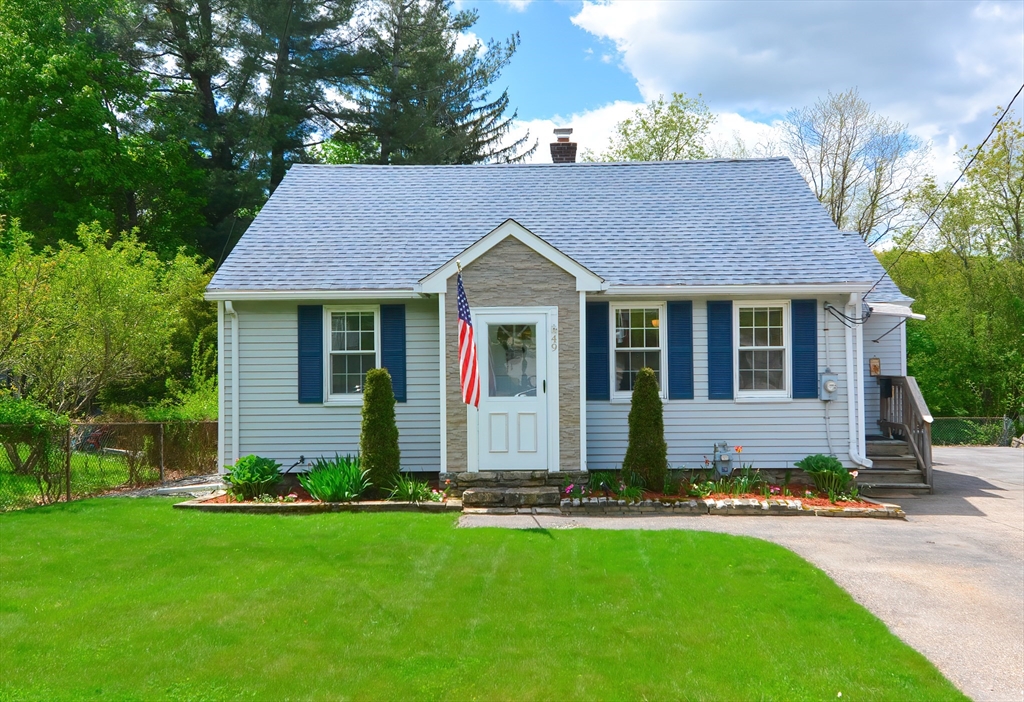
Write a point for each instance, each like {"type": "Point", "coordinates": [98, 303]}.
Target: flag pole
{"type": "Point", "coordinates": [458, 264]}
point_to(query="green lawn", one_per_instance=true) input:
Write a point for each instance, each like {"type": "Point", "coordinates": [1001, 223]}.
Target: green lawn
{"type": "Point", "coordinates": [128, 599]}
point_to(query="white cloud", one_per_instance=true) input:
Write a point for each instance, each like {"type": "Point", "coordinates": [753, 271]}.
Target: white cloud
{"type": "Point", "coordinates": [517, 5]}
{"type": "Point", "coordinates": [590, 129]}
{"type": "Point", "coordinates": [467, 40]}
{"type": "Point", "coordinates": [941, 68]}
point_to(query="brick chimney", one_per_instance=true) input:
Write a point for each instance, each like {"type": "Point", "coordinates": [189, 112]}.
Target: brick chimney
{"type": "Point", "coordinates": [563, 150]}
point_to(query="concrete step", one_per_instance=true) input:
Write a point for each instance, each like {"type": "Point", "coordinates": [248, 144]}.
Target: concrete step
{"type": "Point", "coordinates": [894, 463]}
{"type": "Point", "coordinates": [543, 496]}
{"type": "Point", "coordinates": [894, 487]}
{"type": "Point", "coordinates": [886, 447]}
{"type": "Point", "coordinates": [884, 476]}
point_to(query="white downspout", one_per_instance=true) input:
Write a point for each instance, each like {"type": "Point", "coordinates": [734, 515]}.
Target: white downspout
{"type": "Point", "coordinates": [861, 418]}
{"type": "Point", "coordinates": [443, 389]}
{"type": "Point", "coordinates": [583, 380]}
{"type": "Point", "coordinates": [852, 393]}
{"type": "Point", "coordinates": [229, 309]}
{"type": "Point", "coordinates": [221, 453]}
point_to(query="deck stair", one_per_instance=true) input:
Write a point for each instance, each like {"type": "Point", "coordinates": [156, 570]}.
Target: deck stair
{"type": "Point", "coordinates": [894, 467]}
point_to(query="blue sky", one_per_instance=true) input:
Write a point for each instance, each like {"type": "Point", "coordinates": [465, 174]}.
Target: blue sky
{"type": "Point", "coordinates": [940, 67]}
{"type": "Point", "coordinates": [558, 69]}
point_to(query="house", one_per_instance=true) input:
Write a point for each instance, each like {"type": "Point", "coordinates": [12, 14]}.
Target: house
{"type": "Point", "coordinates": [727, 277]}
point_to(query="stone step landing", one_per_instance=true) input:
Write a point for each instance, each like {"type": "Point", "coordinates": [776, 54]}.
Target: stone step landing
{"type": "Point", "coordinates": [528, 496]}
{"type": "Point", "coordinates": [457, 483]}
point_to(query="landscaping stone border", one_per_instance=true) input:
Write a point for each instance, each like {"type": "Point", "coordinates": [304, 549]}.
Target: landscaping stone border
{"type": "Point", "coordinates": [203, 504]}
{"type": "Point", "coordinates": [588, 506]}
{"type": "Point", "coordinates": [746, 507]}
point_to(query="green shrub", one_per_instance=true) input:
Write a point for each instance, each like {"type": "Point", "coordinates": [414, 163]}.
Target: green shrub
{"type": "Point", "coordinates": [408, 489]}
{"type": "Point", "coordinates": [647, 452]}
{"type": "Point", "coordinates": [379, 439]}
{"type": "Point", "coordinates": [602, 482]}
{"type": "Point", "coordinates": [336, 480]}
{"type": "Point", "coordinates": [253, 476]}
{"type": "Point", "coordinates": [828, 473]}
{"type": "Point", "coordinates": [33, 440]}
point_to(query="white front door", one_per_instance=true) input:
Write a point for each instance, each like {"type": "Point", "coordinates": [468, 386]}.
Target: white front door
{"type": "Point", "coordinates": [512, 423]}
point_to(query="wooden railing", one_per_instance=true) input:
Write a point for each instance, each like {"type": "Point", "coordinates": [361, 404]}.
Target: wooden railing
{"type": "Point", "coordinates": [903, 414]}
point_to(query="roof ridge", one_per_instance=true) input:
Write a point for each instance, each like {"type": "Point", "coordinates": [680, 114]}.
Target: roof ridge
{"type": "Point", "coordinates": [582, 164]}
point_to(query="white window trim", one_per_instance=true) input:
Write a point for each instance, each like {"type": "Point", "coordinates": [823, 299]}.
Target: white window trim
{"type": "Point", "coordinates": [627, 395]}
{"type": "Point", "coordinates": [762, 395]}
{"type": "Point", "coordinates": [346, 398]}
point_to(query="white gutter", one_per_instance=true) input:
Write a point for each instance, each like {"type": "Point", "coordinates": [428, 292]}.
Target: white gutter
{"type": "Point", "coordinates": [854, 398]}
{"type": "Point", "coordinates": [227, 295]}
{"type": "Point", "coordinates": [229, 309]}
{"type": "Point", "coordinates": [734, 290]}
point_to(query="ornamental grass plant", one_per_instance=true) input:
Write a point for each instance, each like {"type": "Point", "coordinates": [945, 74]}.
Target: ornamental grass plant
{"type": "Point", "coordinates": [336, 479]}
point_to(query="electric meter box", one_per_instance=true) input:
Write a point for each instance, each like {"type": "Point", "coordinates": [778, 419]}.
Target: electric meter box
{"type": "Point", "coordinates": [828, 386]}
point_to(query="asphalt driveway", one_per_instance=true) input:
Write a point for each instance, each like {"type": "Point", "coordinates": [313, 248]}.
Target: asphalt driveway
{"type": "Point", "coordinates": [949, 581]}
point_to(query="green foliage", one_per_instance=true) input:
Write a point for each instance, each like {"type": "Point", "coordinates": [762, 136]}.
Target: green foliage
{"type": "Point", "coordinates": [647, 452]}
{"type": "Point", "coordinates": [253, 476]}
{"type": "Point", "coordinates": [602, 482]}
{"type": "Point", "coordinates": [660, 131]}
{"type": "Point", "coordinates": [99, 316]}
{"type": "Point", "coordinates": [34, 441]}
{"type": "Point", "coordinates": [828, 473]}
{"type": "Point", "coordinates": [408, 489]}
{"type": "Point", "coordinates": [967, 276]}
{"type": "Point", "coordinates": [336, 480]}
{"type": "Point", "coordinates": [70, 148]}
{"type": "Point", "coordinates": [378, 441]}
{"type": "Point", "coordinates": [423, 100]}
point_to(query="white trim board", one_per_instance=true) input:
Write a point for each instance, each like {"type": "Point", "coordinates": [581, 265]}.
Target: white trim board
{"type": "Point", "coordinates": [759, 290]}
{"type": "Point", "coordinates": [340, 295]}
{"type": "Point", "coordinates": [437, 281]}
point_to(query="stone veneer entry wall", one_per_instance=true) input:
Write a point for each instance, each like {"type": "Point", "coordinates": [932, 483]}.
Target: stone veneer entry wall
{"type": "Point", "coordinates": [513, 275]}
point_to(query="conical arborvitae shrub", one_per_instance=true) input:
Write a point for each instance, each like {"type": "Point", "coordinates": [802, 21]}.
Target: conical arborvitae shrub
{"type": "Point", "coordinates": [378, 442]}
{"type": "Point", "coordinates": [647, 452]}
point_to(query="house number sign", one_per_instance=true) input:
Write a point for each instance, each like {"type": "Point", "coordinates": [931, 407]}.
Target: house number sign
{"type": "Point", "coordinates": [554, 338]}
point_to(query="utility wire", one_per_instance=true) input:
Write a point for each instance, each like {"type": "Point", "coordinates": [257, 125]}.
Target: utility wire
{"type": "Point", "coordinates": [949, 191]}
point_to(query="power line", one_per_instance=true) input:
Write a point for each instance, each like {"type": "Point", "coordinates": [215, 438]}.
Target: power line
{"type": "Point", "coordinates": [949, 191]}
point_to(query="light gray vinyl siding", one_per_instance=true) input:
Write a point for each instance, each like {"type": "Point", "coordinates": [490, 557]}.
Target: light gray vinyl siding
{"type": "Point", "coordinates": [275, 425]}
{"type": "Point", "coordinates": [889, 350]}
{"type": "Point", "coordinates": [772, 434]}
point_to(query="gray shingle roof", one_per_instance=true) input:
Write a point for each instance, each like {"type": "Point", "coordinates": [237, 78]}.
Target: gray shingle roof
{"type": "Point", "coordinates": [666, 223]}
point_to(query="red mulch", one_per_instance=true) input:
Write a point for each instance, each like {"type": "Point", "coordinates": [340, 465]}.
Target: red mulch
{"type": "Point", "coordinates": [816, 501]}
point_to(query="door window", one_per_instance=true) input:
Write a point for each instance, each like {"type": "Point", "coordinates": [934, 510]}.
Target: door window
{"type": "Point", "coordinates": [512, 357]}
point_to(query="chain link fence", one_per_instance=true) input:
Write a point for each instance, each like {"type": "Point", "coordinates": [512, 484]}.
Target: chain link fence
{"type": "Point", "coordinates": [42, 466]}
{"type": "Point", "coordinates": [974, 431]}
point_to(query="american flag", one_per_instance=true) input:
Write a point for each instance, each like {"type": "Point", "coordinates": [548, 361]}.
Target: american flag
{"type": "Point", "coordinates": [467, 351]}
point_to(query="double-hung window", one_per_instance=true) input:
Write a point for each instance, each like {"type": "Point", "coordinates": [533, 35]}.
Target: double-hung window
{"type": "Point", "coordinates": [762, 349]}
{"type": "Point", "coordinates": [638, 343]}
{"type": "Point", "coordinates": [353, 348]}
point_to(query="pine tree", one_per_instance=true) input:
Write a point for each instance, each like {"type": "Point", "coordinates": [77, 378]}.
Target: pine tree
{"type": "Point", "coordinates": [647, 452]}
{"type": "Point", "coordinates": [378, 442]}
{"type": "Point", "coordinates": [427, 102]}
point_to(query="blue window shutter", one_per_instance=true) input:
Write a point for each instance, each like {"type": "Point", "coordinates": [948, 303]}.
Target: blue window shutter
{"type": "Point", "coordinates": [598, 351]}
{"type": "Point", "coordinates": [805, 348]}
{"type": "Point", "coordinates": [720, 381]}
{"type": "Point", "coordinates": [680, 350]}
{"type": "Point", "coordinates": [311, 353]}
{"type": "Point", "coordinates": [392, 346]}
